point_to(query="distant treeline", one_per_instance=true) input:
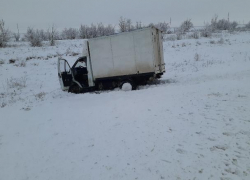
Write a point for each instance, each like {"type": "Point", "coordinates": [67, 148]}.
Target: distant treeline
{"type": "Point", "coordinates": [36, 36]}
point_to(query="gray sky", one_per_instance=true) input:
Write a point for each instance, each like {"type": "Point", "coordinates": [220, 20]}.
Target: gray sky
{"type": "Point", "coordinates": [42, 14]}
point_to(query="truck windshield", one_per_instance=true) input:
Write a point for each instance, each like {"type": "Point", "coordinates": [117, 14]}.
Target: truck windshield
{"type": "Point", "coordinates": [81, 64]}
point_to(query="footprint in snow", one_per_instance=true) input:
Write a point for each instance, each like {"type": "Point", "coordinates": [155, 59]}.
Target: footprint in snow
{"type": "Point", "coordinates": [247, 133]}
{"type": "Point", "coordinates": [225, 178]}
{"type": "Point", "coordinates": [228, 134]}
{"type": "Point", "coordinates": [235, 162]}
{"type": "Point", "coordinates": [211, 139]}
{"type": "Point", "coordinates": [235, 171]}
{"type": "Point", "coordinates": [181, 151]}
{"type": "Point", "coordinates": [241, 148]}
{"type": "Point", "coordinates": [220, 147]}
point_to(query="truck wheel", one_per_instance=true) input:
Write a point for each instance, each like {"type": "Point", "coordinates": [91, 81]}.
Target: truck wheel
{"type": "Point", "coordinates": [128, 85]}
{"type": "Point", "coordinates": [100, 86]}
{"type": "Point", "coordinates": [158, 76]}
{"type": "Point", "coordinates": [74, 88]}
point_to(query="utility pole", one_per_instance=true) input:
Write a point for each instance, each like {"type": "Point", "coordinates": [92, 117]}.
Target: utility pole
{"type": "Point", "coordinates": [170, 20]}
{"type": "Point", "coordinates": [17, 29]}
{"type": "Point", "coordinates": [228, 17]}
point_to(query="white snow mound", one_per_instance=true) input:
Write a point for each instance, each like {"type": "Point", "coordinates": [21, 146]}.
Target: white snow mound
{"type": "Point", "coordinates": [126, 87]}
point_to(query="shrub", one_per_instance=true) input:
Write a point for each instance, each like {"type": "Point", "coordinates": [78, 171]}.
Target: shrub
{"type": "Point", "coordinates": [122, 24]}
{"type": "Point", "coordinates": [3, 104]}
{"type": "Point", "coordinates": [233, 25]}
{"type": "Point", "coordinates": [222, 24]}
{"type": "Point", "coordinates": [17, 35]}
{"type": "Point", "coordinates": [248, 25]}
{"type": "Point", "coordinates": [214, 23]}
{"type": "Point", "coordinates": [186, 26]}
{"type": "Point", "coordinates": [163, 26]}
{"type": "Point", "coordinates": [1, 61]}
{"type": "Point", "coordinates": [126, 25]}
{"type": "Point", "coordinates": [5, 34]}
{"type": "Point", "coordinates": [198, 43]}
{"type": "Point", "coordinates": [195, 35]}
{"type": "Point", "coordinates": [196, 57]}
{"type": "Point", "coordinates": [34, 37]}
{"type": "Point", "coordinates": [17, 83]}
{"type": "Point", "coordinates": [221, 41]}
{"type": "Point", "coordinates": [212, 42]}
{"type": "Point", "coordinates": [179, 36]}
{"type": "Point", "coordinates": [170, 37]}
{"type": "Point", "coordinates": [21, 64]}
{"type": "Point", "coordinates": [83, 32]}
{"type": "Point", "coordinates": [52, 35]}
{"type": "Point", "coordinates": [86, 32]}
{"type": "Point", "coordinates": [69, 33]}
{"type": "Point", "coordinates": [40, 95]}
{"type": "Point", "coordinates": [12, 61]}
{"type": "Point", "coordinates": [207, 31]}
{"type": "Point", "coordinates": [109, 30]}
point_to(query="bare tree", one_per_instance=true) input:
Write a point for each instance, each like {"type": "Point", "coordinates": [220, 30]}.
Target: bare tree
{"type": "Point", "coordinates": [86, 32]}
{"type": "Point", "coordinates": [223, 24]}
{"type": "Point", "coordinates": [163, 26]}
{"type": "Point", "coordinates": [122, 24]}
{"type": "Point", "coordinates": [43, 35]}
{"type": "Point", "coordinates": [17, 35]}
{"type": "Point", "coordinates": [5, 34]}
{"type": "Point", "coordinates": [233, 25]}
{"type": "Point", "coordinates": [69, 33]}
{"type": "Point", "coordinates": [186, 26]}
{"type": "Point", "coordinates": [207, 30]}
{"type": "Point", "coordinates": [214, 22]}
{"type": "Point", "coordinates": [93, 31]}
{"type": "Point", "coordinates": [109, 30]}
{"type": "Point", "coordinates": [52, 35]}
{"type": "Point", "coordinates": [129, 25]}
{"type": "Point", "coordinates": [34, 37]}
{"type": "Point", "coordinates": [126, 25]}
{"type": "Point", "coordinates": [100, 29]}
{"type": "Point", "coordinates": [83, 31]}
{"type": "Point", "coordinates": [248, 25]}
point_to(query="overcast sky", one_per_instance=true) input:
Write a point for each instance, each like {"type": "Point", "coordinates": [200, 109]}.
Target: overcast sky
{"type": "Point", "coordinates": [42, 14]}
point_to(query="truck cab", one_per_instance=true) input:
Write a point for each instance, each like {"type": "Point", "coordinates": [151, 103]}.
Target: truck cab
{"type": "Point", "coordinates": [80, 72]}
{"type": "Point", "coordinates": [76, 78]}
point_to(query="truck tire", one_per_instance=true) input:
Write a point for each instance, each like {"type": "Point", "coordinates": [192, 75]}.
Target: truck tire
{"type": "Point", "coordinates": [158, 76]}
{"type": "Point", "coordinates": [75, 88]}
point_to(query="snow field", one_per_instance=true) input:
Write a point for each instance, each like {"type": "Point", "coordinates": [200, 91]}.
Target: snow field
{"type": "Point", "coordinates": [194, 123]}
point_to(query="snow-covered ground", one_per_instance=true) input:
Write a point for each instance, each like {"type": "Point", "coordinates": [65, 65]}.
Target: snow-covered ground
{"type": "Point", "coordinates": [192, 124]}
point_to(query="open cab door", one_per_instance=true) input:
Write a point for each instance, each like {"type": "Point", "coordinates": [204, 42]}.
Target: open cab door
{"type": "Point", "coordinates": [78, 78]}
{"type": "Point", "coordinates": [64, 74]}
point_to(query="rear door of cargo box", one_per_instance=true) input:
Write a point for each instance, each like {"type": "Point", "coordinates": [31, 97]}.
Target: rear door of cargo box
{"type": "Point", "coordinates": [158, 50]}
{"type": "Point", "coordinates": [144, 50]}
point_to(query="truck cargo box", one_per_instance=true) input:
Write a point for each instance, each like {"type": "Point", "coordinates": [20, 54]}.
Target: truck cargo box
{"type": "Point", "coordinates": [128, 53]}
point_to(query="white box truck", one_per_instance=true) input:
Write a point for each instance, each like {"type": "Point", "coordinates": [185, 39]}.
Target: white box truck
{"type": "Point", "coordinates": [125, 59]}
